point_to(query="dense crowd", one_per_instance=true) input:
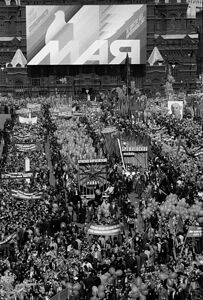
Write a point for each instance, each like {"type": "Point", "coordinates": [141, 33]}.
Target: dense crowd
{"type": "Point", "coordinates": [45, 243]}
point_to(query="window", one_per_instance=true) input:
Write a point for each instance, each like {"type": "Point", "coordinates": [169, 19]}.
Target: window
{"type": "Point", "coordinates": [36, 82]}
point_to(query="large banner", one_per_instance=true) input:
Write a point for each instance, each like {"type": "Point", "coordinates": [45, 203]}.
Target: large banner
{"type": "Point", "coordinates": [86, 34]}
{"type": "Point", "coordinates": [26, 196]}
{"type": "Point", "coordinates": [92, 172]}
{"type": "Point", "coordinates": [17, 175]}
{"type": "Point", "coordinates": [28, 120]}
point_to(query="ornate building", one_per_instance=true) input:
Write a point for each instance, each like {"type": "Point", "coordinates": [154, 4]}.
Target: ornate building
{"type": "Point", "coordinates": [175, 36]}
{"type": "Point", "coordinates": [172, 44]}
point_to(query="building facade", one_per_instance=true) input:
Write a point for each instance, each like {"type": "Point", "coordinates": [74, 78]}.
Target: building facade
{"type": "Point", "coordinates": [174, 34]}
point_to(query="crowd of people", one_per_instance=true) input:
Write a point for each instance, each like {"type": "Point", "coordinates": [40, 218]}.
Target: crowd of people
{"type": "Point", "coordinates": [45, 241]}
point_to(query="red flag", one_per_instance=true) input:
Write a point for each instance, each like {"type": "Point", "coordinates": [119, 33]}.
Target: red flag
{"type": "Point", "coordinates": [127, 67]}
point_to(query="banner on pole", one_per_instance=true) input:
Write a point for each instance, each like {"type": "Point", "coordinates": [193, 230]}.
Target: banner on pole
{"type": "Point", "coordinates": [92, 172]}
{"type": "Point", "coordinates": [194, 231]}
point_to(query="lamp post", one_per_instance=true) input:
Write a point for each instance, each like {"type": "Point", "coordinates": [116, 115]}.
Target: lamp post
{"type": "Point", "coordinates": [173, 66]}
{"type": "Point", "coordinates": [2, 72]}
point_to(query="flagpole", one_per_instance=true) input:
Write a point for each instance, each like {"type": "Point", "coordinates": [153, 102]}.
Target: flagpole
{"type": "Point", "coordinates": [127, 83]}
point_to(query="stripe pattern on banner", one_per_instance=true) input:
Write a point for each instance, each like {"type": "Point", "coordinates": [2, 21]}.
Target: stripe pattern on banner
{"type": "Point", "coordinates": [8, 239]}
{"type": "Point", "coordinates": [18, 175]}
{"type": "Point", "coordinates": [26, 136]}
{"type": "Point", "coordinates": [23, 120]}
{"type": "Point", "coordinates": [26, 196]}
{"type": "Point", "coordinates": [199, 153]}
{"type": "Point", "coordinates": [26, 147]}
{"type": "Point", "coordinates": [108, 230]}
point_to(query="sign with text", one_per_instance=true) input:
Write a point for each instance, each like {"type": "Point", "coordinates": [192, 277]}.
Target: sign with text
{"type": "Point", "coordinates": [136, 156]}
{"type": "Point", "coordinates": [194, 231]}
{"type": "Point", "coordinates": [85, 34]}
{"type": "Point", "coordinates": [92, 172]}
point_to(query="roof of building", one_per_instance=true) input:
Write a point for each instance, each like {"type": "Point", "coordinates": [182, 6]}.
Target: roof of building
{"type": "Point", "coordinates": [176, 36]}
{"type": "Point", "coordinates": [19, 59]}
{"type": "Point", "coordinates": [155, 56]}
{"type": "Point", "coordinates": [9, 38]}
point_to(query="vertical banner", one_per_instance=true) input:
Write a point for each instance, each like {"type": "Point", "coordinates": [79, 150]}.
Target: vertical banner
{"type": "Point", "coordinates": [27, 164]}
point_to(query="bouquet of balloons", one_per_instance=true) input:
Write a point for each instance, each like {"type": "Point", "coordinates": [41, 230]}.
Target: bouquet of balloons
{"type": "Point", "coordinates": [173, 205]}
{"type": "Point", "coordinates": [107, 279]}
{"type": "Point", "coordinates": [138, 289]}
{"type": "Point", "coordinates": [152, 207]}
{"type": "Point", "coordinates": [73, 289]}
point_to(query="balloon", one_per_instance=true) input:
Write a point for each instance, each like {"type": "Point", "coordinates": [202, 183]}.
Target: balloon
{"type": "Point", "coordinates": [94, 290]}
{"type": "Point", "coordinates": [143, 287]}
{"type": "Point", "coordinates": [101, 295]}
{"type": "Point", "coordinates": [112, 270]}
{"type": "Point", "coordinates": [107, 274]}
{"type": "Point", "coordinates": [144, 292]}
{"type": "Point", "coordinates": [135, 289]}
{"type": "Point", "coordinates": [200, 213]}
{"type": "Point", "coordinates": [77, 286]}
{"type": "Point", "coordinates": [69, 285]}
{"type": "Point", "coordinates": [101, 288]}
{"type": "Point", "coordinates": [119, 272]}
{"type": "Point", "coordinates": [173, 275]}
{"type": "Point", "coordinates": [200, 220]}
{"type": "Point", "coordinates": [75, 292]}
{"type": "Point", "coordinates": [163, 276]}
{"type": "Point", "coordinates": [134, 295]}
{"type": "Point", "coordinates": [63, 283]}
{"type": "Point", "coordinates": [103, 278]}
{"type": "Point", "coordinates": [183, 286]}
{"type": "Point", "coordinates": [142, 297]}
{"type": "Point", "coordinates": [111, 280]}
{"type": "Point", "coordinates": [138, 281]}
{"type": "Point", "coordinates": [169, 282]}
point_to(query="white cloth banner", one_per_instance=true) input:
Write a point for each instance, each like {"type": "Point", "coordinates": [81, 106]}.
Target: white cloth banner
{"type": "Point", "coordinates": [108, 230]}
{"type": "Point", "coordinates": [18, 175]}
{"type": "Point", "coordinates": [27, 164]}
{"type": "Point", "coordinates": [26, 196]}
{"type": "Point", "coordinates": [26, 147]}
{"type": "Point", "coordinates": [23, 120]}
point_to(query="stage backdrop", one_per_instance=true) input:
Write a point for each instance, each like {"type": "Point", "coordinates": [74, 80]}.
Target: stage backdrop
{"type": "Point", "coordinates": [85, 34]}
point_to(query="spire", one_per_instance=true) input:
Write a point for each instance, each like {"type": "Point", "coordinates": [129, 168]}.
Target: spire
{"type": "Point", "coordinates": [155, 57]}
{"type": "Point", "coordinates": [19, 58]}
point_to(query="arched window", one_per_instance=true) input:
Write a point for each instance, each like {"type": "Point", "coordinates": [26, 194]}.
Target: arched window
{"type": "Point", "coordinates": [18, 83]}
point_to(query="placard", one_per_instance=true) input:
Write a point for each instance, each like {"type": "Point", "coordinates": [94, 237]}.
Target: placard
{"type": "Point", "coordinates": [194, 231]}
{"type": "Point", "coordinates": [92, 172]}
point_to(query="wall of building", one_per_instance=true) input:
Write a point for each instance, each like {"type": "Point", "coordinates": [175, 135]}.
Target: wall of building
{"type": "Point", "coordinates": [164, 17]}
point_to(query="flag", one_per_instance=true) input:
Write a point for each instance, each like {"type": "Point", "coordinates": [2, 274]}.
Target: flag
{"type": "Point", "coordinates": [179, 145]}
{"type": "Point", "coordinates": [140, 224]}
{"type": "Point", "coordinates": [179, 226]}
{"type": "Point", "coordinates": [127, 70]}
